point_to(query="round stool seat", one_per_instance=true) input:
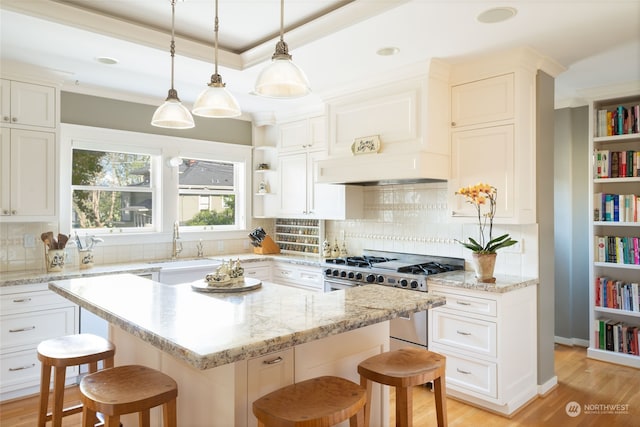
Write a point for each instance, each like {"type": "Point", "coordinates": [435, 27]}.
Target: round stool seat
{"type": "Point", "coordinates": [404, 369]}
{"type": "Point", "coordinates": [318, 402]}
{"type": "Point", "coordinates": [128, 389]}
{"type": "Point", "coordinates": [72, 350]}
{"type": "Point", "coordinates": [60, 353]}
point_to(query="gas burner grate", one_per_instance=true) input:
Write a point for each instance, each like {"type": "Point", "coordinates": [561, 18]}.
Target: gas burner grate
{"type": "Point", "coordinates": [358, 261]}
{"type": "Point", "coordinates": [428, 268]}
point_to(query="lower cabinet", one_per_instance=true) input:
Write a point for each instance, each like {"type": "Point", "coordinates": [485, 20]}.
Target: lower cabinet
{"type": "Point", "coordinates": [489, 340]}
{"type": "Point", "coordinates": [298, 276]}
{"type": "Point", "coordinates": [30, 314]}
{"type": "Point", "coordinates": [257, 270]}
{"type": "Point", "coordinates": [266, 374]}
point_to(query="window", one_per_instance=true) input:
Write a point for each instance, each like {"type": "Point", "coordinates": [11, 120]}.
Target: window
{"type": "Point", "coordinates": [208, 192]}
{"type": "Point", "coordinates": [111, 190]}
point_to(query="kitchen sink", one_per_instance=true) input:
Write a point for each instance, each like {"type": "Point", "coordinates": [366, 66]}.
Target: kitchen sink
{"type": "Point", "coordinates": [174, 264]}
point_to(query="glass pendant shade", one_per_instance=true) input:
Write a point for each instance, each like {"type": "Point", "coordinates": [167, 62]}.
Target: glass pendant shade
{"type": "Point", "coordinates": [282, 79]}
{"type": "Point", "coordinates": [172, 114]}
{"type": "Point", "coordinates": [216, 101]}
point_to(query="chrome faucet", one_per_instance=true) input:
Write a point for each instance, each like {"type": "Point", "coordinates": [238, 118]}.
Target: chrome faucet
{"type": "Point", "coordinates": [177, 246]}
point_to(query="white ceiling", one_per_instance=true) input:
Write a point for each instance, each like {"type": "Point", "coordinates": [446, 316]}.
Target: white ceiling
{"type": "Point", "coordinates": [335, 42]}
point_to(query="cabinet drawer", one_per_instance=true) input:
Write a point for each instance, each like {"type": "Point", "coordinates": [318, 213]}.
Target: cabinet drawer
{"type": "Point", "coordinates": [305, 278]}
{"type": "Point", "coordinates": [470, 375]}
{"type": "Point", "coordinates": [22, 369]}
{"type": "Point", "coordinates": [261, 273]}
{"type": "Point", "coordinates": [470, 304]}
{"type": "Point", "coordinates": [28, 301]}
{"type": "Point", "coordinates": [464, 333]}
{"type": "Point", "coordinates": [30, 329]}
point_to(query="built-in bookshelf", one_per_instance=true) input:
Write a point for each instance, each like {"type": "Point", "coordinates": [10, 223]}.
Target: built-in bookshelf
{"type": "Point", "coordinates": [615, 230]}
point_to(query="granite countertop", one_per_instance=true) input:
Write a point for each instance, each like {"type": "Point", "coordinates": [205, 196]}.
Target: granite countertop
{"type": "Point", "coordinates": [467, 280]}
{"type": "Point", "coordinates": [212, 329]}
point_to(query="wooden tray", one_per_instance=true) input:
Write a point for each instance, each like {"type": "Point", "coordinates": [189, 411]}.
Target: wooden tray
{"type": "Point", "coordinates": [249, 284]}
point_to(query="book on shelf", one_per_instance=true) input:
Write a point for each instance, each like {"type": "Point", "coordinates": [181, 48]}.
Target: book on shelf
{"type": "Point", "coordinates": [616, 336]}
{"type": "Point", "coordinates": [617, 249]}
{"type": "Point", "coordinates": [616, 294]}
{"type": "Point", "coordinates": [618, 120]}
{"type": "Point", "coordinates": [617, 164]}
{"type": "Point", "coordinates": [616, 207]}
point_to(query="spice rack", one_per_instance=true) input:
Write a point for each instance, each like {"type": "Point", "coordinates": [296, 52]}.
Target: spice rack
{"type": "Point", "coordinates": [300, 236]}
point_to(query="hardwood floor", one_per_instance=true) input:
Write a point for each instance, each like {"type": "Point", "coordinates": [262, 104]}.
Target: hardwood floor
{"type": "Point", "coordinates": [581, 380]}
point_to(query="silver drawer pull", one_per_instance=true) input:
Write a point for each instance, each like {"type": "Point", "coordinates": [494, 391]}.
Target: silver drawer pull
{"type": "Point", "coordinates": [22, 300]}
{"type": "Point", "coordinates": [462, 303]}
{"type": "Point", "coordinates": [463, 333]}
{"type": "Point", "coordinates": [20, 368]}
{"type": "Point", "coordinates": [404, 317]}
{"type": "Point", "coordinates": [463, 372]}
{"type": "Point", "coordinates": [273, 361]}
{"type": "Point", "coordinates": [28, 328]}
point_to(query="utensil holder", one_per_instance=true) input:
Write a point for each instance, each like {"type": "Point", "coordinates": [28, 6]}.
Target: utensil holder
{"type": "Point", "coordinates": [55, 259]}
{"type": "Point", "coordinates": [85, 257]}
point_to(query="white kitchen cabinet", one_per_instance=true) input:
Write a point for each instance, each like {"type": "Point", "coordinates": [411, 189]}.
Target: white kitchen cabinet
{"type": "Point", "coordinates": [266, 374]}
{"type": "Point", "coordinates": [298, 276]}
{"type": "Point", "coordinates": [27, 190]}
{"type": "Point", "coordinates": [497, 104]}
{"type": "Point", "coordinates": [473, 153]}
{"type": "Point", "coordinates": [30, 315]}
{"type": "Point", "coordinates": [302, 197]}
{"type": "Point", "coordinates": [27, 104]}
{"type": "Point", "coordinates": [258, 270]}
{"type": "Point", "coordinates": [302, 135]}
{"type": "Point", "coordinates": [489, 340]}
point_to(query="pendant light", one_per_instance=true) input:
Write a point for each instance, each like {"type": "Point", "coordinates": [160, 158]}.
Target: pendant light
{"type": "Point", "coordinates": [172, 114]}
{"type": "Point", "coordinates": [216, 101]}
{"type": "Point", "coordinates": [282, 78]}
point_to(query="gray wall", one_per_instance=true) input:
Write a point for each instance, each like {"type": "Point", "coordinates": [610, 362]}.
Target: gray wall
{"type": "Point", "coordinates": [113, 114]}
{"type": "Point", "coordinates": [545, 210]}
{"type": "Point", "coordinates": [572, 225]}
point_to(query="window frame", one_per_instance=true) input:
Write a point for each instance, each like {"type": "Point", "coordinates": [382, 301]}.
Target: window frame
{"type": "Point", "coordinates": [166, 202]}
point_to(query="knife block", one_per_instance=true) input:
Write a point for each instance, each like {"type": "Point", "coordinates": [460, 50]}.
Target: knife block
{"type": "Point", "coordinates": [267, 246]}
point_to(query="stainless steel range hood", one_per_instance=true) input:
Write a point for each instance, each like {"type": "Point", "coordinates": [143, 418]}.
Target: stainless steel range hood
{"type": "Point", "coordinates": [387, 168]}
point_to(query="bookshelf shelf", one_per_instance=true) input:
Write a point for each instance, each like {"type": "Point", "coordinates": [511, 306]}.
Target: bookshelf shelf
{"type": "Point", "coordinates": [610, 180]}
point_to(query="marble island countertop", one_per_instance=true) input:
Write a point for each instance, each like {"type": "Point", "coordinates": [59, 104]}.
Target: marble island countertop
{"type": "Point", "coordinates": [467, 280]}
{"type": "Point", "coordinates": [213, 329]}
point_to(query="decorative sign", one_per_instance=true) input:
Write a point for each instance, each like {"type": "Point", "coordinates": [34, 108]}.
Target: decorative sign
{"type": "Point", "coordinates": [366, 145]}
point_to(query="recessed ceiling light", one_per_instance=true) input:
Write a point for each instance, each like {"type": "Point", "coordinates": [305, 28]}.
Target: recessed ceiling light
{"type": "Point", "coordinates": [497, 14]}
{"type": "Point", "coordinates": [106, 60]}
{"type": "Point", "coordinates": [387, 51]}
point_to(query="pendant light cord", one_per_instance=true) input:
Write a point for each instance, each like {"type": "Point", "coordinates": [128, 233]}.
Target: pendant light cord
{"type": "Point", "coordinates": [215, 30]}
{"type": "Point", "coordinates": [282, 20]}
{"type": "Point", "coordinates": [173, 43]}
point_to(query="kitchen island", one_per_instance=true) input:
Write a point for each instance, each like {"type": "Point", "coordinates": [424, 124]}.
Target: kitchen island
{"type": "Point", "coordinates": [227, 349]}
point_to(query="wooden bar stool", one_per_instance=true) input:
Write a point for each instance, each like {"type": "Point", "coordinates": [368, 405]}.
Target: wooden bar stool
{"type": "Point", "coordinates": [127, 390]}
{"type": "Point", "coordinates": [404, 369]}
{"type": "Point", "coordinates": [318, 402]}
{"type": "Point", "coordinates": [60, 353]}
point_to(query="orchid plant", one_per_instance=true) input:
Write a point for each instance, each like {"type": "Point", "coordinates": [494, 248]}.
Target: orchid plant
{"type": "Point", "coordinates": [480, 195]}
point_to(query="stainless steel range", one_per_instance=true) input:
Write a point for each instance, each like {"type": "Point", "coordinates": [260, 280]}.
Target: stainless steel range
{"type": "Point", "coordinates": [400, 270]}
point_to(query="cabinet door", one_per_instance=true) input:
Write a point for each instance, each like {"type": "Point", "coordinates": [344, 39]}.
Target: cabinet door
{"type": "Point", "coordinates": [32, 173]}
{"type": "Point", "coordinates": [483, 101]}
{"type": "Point", "coordinates": [483, 155]}
{"type": "Point", "coordinates": [5, 101]}
{"type": "Point", "coordinates": [317, 133]}
{"type": "Point", "coordinates": [5, 171]}
{"type": "Point", "coordinates": [32, 104]}
{"type": "Point", "coordinates": [293, 184]}
{"type": "Point", "coordinates": [266, 374]}
{"type": "Point", "coordinates": [294, 136]}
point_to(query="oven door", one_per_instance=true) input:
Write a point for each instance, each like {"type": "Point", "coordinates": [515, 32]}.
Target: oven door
{"type": "Point", "coordinates": [411, 330]}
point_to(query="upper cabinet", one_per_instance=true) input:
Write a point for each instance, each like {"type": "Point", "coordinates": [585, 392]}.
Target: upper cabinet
{"type": "Point", "coordinates": [27, 104]}
{"type": "Point", "coordinates": [303, 135]}
{"type": "Point", "coordinates": [28, 151]}
{"type": "Point", "coordinates": [302, 144]}
{"type": "Point", "coordinates": [497, 105]}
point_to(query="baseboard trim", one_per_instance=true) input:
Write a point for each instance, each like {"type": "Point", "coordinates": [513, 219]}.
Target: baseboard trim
{"type": "Point", "coordinates": [571, 341]}
{"type": "Point", "coordinates": [548, 386]}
